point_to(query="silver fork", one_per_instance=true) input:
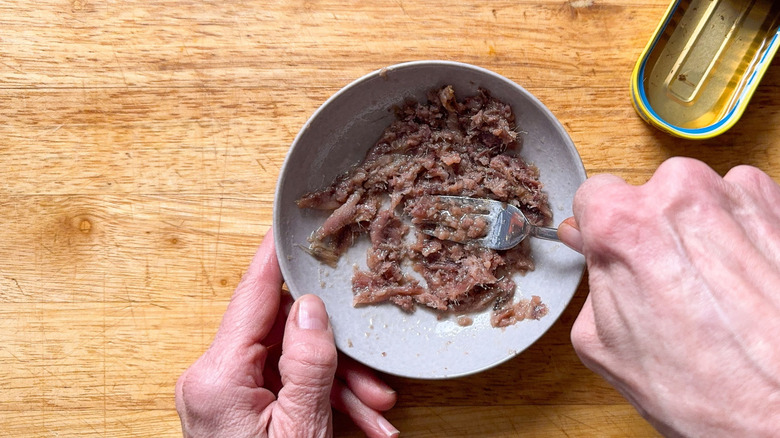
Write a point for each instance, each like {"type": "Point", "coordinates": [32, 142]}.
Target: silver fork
{"type": "Point", "coordinates": [507, 226]}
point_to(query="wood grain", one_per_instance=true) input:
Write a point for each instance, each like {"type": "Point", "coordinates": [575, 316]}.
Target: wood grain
{"type": "Point", "coordinates": [140, 143]}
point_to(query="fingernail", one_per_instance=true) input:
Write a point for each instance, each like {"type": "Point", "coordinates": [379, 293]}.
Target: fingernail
{"type": "Point", "coordinates": [570, 234]}
{"type": "Point", "coordinates": [386, 427]}
{"type": "Point", "coordinates": [311, 314]}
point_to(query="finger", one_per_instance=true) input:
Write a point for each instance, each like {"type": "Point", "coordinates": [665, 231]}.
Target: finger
{"type": "Point", "coordinates": [591, 190]}
{"type": "Point", "coordinates": [595, 206]}
{"type": "Point", "coordinates": [273, 342]}
{"type": "Point", "coordinates": [569, 233]}
{"type": "Point", "coordinates": [368, 388]}
{"type": "Point", "coordinates": [271, 378]}
{"type": "Point", "coordinates": [371, 422]}
{"type": "Point", "coordinates": [307, 366]}
{"type": "Point", "coordinates": [276, 334]}
{"type": "Point", "coordinates": [255, 303]}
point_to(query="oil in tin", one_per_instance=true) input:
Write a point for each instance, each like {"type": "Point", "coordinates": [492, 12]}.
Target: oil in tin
{"type": "Point", "coordinates": [702, 61]}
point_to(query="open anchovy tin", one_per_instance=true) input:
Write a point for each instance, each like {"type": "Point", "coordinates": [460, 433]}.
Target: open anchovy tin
{"type": "Point", "coordinates": [702, 65]}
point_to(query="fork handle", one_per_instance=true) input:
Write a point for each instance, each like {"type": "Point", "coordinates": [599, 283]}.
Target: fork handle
{"type": "Point", "coordinates": [545, 233]}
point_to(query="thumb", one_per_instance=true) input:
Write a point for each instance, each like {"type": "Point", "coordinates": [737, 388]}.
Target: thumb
{"type": "Point", "coordinates": [307, 368]}
{"type": "Point", "coordinates": [569, 233]}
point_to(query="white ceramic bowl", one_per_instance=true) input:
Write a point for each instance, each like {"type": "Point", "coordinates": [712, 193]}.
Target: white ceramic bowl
{"type": "Point", "coordinates": [384, 337]}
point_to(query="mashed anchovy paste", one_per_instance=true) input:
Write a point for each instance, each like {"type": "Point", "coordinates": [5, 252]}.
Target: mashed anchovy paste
{"type": "Point", "coordinates": [442, 147]}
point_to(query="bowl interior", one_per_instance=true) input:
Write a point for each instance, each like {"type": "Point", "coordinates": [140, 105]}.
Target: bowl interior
{"type": "Point", "coordinates": [384, 337]}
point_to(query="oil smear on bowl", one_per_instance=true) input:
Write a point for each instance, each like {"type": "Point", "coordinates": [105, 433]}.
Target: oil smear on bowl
{"type": "Point", "coordinates": [703, 64]}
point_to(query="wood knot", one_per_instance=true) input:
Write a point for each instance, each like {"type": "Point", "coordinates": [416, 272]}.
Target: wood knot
{"type": "Point", "coordinates": [78, 5]}
{"type": "Point", "coordinates": [85, 226]}
{"type": "Point", "coordinates": [78, 224]}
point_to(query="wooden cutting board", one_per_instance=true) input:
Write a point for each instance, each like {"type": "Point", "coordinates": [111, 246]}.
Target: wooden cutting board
{"type": "Point", "coordinates": [140, 144]}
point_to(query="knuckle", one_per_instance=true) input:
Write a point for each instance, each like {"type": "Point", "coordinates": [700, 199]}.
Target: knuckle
{"type": "Point", "coordinates": [754, 188]}
{"type": "Point", "coordinates": [321, 355]}
{"type": "Point", "coordinates": [679, 167]}
{"type": "Point", "coordinates": [680, 177]}
{"type": "Point", "coordinates": [310, 361]}
{"type": "Point", "coordinates": [748, 177]}
{"type": "Point", "coordinates": [684, 190]}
